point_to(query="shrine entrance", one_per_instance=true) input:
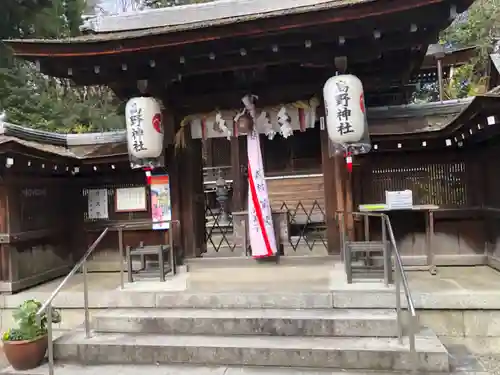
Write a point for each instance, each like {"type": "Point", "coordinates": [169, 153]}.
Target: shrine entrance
{"type": "Point", "coordinates": [293, 174]}
{"type": "Point", "coordinates": [201, 69]}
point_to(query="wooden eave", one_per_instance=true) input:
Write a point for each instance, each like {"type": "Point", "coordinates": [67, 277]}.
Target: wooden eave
{"type": "Point", "coordinates": [346, 14]}
{"type": "Point", "coordinates": [36, 151]}
{"type": "Point", "coordinates": [460, 130]}
{"type": "Point", "coordinates": [451, 58]}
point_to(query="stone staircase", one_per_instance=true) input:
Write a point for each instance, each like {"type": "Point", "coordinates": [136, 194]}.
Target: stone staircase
{"type": "Point", "coordinates": [248, 330]}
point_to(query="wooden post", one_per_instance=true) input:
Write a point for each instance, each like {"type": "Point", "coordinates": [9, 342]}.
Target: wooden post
{"type": "Point", "coordinates": [239, 161]}
{"type": "Point", "coordinates": [333, 193]}
{"type": "Point", "coordinates": [347, 180]}
{"type": "Point", "coordinates": [192, 198]}
{"type": "Point", "coordinates": [170, 127]}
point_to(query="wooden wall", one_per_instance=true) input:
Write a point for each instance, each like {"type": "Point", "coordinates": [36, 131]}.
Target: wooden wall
{"type": "Point", "coordinates": [289, 193]}
{"type": "Point", "coordinates": [453, 179]}
{"type": "Point", "coordinates": [107, 250]}
{"type": "Point", "coordinates": [37, 224]}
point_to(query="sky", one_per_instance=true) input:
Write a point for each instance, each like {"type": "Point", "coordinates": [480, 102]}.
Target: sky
{"type": "Point", "coordinates": [111, 6]}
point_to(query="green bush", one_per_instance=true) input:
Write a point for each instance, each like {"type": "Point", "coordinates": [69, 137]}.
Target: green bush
{"type": "Point", "coordinates": [29, 326]}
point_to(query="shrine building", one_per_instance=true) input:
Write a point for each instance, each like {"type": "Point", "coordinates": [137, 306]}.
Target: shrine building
{"type": "Point", "coordinates": [199, 61]}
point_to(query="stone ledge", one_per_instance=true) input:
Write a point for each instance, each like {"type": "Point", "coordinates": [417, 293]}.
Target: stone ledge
{"type": "Point", "coordinates": [372, 298]}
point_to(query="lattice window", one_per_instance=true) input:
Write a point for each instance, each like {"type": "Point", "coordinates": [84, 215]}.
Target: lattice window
{"type": "Point", "coordinates": [442, 184]}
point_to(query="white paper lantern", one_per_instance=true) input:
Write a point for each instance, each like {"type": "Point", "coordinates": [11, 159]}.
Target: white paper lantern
{"type": "Point", "coordinates": [344, 109]}
{"type": "Point", "coordinates": [144, 127]}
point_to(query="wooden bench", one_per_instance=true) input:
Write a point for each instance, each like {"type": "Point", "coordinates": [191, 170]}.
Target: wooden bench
{"type": "Point", "coordinates": [142, 251]}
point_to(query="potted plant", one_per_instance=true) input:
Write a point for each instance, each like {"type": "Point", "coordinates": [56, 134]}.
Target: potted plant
{"type": "Point", "coordinates": [25, 345]}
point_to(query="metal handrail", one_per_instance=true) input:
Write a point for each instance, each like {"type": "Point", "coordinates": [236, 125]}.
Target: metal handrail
{"type": "Point", "coordinates": [47, 306]}
{"type": "Point", "coordinates": [400, 276]}
{"type": "Point", "coordinates": [82, 263]}
{"type": "Point", "coordinates": [402, 279]}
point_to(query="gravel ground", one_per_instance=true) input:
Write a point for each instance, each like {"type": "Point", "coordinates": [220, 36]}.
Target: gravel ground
{"type": "Point", "coordinates": [3, 360]}
{"type": "Point", "coordinates": [491, 363]}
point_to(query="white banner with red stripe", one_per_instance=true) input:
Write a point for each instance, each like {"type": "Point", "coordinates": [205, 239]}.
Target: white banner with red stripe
{"type": "Point", "coordinates": [260, 220]}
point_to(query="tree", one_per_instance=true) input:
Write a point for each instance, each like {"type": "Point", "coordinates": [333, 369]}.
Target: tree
{"type": "Point", "coordinates": [478, 27]}
{"type": "Point", "coordinates": [33, 99]}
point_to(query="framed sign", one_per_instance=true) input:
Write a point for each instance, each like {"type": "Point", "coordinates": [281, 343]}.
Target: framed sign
{"type": "Point", "coordinates": [130, 199]}
{"type": "Point", "coordinates": [97, 204]}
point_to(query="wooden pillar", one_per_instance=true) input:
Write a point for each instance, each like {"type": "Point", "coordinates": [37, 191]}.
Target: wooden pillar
{"type": "Point", "coordinates": [185, 168]}
{"type": "Point", "coordinates": [239, 161]}
{"type": "Point", "coordinates": [170, 126]}
{"type": "Point", "coordinates": [357, 192]}
{"type": "Point", "coordinates": [347, 180]}
{"type": "Point", "coordinates": [192, 197]}
{"type": "Point", "coordinates": [334, 194]}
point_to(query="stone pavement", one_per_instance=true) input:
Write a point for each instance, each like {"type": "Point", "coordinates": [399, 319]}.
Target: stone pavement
{"type": "Point", "coordinates": [3, 360]}
{"type": "Point", "coordinates": [462, 362]}
{"type": "Point", "coordinates": [195, 370]}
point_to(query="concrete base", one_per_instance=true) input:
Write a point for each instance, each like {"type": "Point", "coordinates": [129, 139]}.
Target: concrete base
{"type": "Point", "coordinates": [314, 352]}
{"type": "Point", "coordinates": [17, 285]}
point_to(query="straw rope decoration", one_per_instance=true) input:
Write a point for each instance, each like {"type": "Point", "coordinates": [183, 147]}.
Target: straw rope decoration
{"type": "Point", "coordinates": [180, 135]}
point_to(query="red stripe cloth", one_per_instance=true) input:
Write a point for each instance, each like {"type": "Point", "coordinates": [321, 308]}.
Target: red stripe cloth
{"type": "Point", "coordinates": [258, 212]}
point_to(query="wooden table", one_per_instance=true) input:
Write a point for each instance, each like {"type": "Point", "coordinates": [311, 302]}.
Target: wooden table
{"type": "Point", "coordinates": [428, 210]}
{"type": "Point", "coordinates": [159, 250]}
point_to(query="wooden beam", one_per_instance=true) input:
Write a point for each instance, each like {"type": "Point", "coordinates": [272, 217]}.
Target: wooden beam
{"type": "Point", "coordinates": [270, 95]}
{"type": "Point", "coordinates": [168, 67]}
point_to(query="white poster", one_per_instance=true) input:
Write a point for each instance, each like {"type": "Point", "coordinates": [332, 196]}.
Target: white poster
{"type": "Point", "coordinates": [98, 204]}
{"type": "Point", "coordinates": [130, 199]}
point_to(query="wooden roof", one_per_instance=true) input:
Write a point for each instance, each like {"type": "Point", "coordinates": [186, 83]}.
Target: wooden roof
{"type": "Point", "coordinates": [218, 48]}
{"type": "Point", "coordinates": [195, 16]}
{"type": "Point", "coordinates": [449, 56]}
{"type": "Point", "coordinates": [469, 127]}
{"type": "Point", "coordinates": [278, 14]}
{"type": "Point", "coordinates": [69, 146]}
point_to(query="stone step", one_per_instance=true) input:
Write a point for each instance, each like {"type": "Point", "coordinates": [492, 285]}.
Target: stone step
{"type": "Point", "coordinates": [279, 351]}
{"type": "Point", "coordinates": [245, 300]}
{"type": "Point", "coordinates": [206, 262]}
{"type": "Point", "coordinates": [276, 322]}
{"type": "Point", "coordinates": [73, 369]}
